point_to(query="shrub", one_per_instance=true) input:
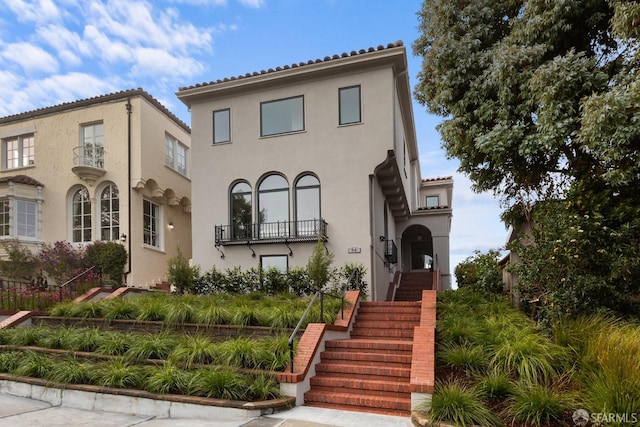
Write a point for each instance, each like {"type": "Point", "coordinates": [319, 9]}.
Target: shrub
{"type": "Point", "coordinates": [152, 346]}
{"type": "Point", "coordinates": [120, 374]}
{"type": "Point", "coordinates": [180, 273]}
{"type": "Point", "coordinates": [495, 385]}
{"type": "Point", "coordinates": [460, 404]}
{"type": "Point", "coordinates": [538, 404]}
{"type": "Point", "coordinates": [219, 383]}
{"type": "Point", "coordinates": [467, 357]}
{"type": "Point", "coordinates": [21, 263]}
{"type": "Point", "coordinates": [480, 271]}
{"type": "Point", "coordinates": [35, 365]}
{"type": "Point", "coordinates": [168, 379]}
{"type": "Point", "coordinates": [70, 371]}
{"type": "Point", "coordinates": [109, 257]}
{"type": "Point", "coordinates": [263, 387]}
{"type": "Point", "coordinates": [194, 350]}
{"type": "Point", "coordinates": [60, 261]}
{"type": "Point", "coordinates": [319, 266]}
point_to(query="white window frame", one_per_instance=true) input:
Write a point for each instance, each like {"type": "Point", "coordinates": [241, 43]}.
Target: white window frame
{"type": "Point", "coordinates": [431, 205]}
{"type": "Point", "coordinates": [274, 257]}
{"type": "Point", "coordinates": [5, 218]}
{"type": "Point", "coordinates": [176, 154]}
{"type": "Point", "coordinates": [83, 216]}
{"type": "Point", "coordinates": [155, 222]}
{"type": "Point", "coordinates": [106, 221]}
{"type": "Point", "coordinates": [92, 147]}
{"type": "Point", "coordinates": [24, 153]}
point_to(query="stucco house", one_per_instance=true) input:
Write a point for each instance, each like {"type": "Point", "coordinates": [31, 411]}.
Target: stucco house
{"type": "Point", "coordinates": [320, 148]}
{"type": "Point", "coordinates": [113, 168]}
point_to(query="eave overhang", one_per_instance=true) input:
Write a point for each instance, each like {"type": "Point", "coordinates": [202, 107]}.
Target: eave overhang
{"type": "Point", "coordinates": [388, 175]}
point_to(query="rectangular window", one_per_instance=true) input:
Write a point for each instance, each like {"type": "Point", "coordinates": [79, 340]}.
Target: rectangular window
{"type": "Point", "coordinates": [279, 262]}
{"type": "Point", "coordinates": [175, 154]}
{"type": "Point", "coordinates": [433, 201]}
{"type": "Point", "coordinates": [282, 116]}
{"type": "Point", "coordinates": [151, 224]}
{"type": "Point", "coordinates": [26, 218]}
{"type": "Point", "coordinates": [5, 228]}
{"type": "Point", "coordinates": [350, 111]}
{"type": "Point", "coordinates": [18, 152]}
{"type": "Point", "coordinates": [92, 145]}
{"type": "Point", "coordinates": [221, 126]}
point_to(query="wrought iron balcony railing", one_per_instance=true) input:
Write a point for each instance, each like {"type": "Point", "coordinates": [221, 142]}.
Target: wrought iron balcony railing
{"type": "Point", "coordinates": [89, 155]}
{"type": "Point", "coordinates": [267, 232]}
{"type": "Point", "coordinates": [391, 252]}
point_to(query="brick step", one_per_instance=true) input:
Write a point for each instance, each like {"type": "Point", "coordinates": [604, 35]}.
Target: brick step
{"type": "Point", "coordinates": [348, 370]}
{"type": "Point", "coordinates": [386, 310]}
{"type": "Point", "coordinates": [363, 385]}
{"type": "Point", "coordinates": [378, 346]}
{"type": "Point", "coordinates": [358, 332]}
{"type": "Point", "coordinates": [359, 400]}
{"type": "Point", "coordinates": [384, 324]}
{"type": "Point", "coordinates": [350, 390]}
{"type": "Point", "coordinates": [388, 359]}
{"type": "Point", "coordinates": [385, 304]}
{"type": "Point", "coordinates": [391, 317]}
{"type": "Point", "coordinates": [415, 287]}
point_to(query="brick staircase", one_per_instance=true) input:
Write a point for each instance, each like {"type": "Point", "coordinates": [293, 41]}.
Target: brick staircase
{"type": "Point", "coordinates": [412, 285]}
{"type": "Point", "coordinates": [371, 371]}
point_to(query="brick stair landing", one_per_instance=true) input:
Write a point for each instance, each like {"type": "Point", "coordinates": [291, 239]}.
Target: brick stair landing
{"type": "Point", "coordinates": [371, 371]}
{"type": "Point", "coordinates": [412, 284]}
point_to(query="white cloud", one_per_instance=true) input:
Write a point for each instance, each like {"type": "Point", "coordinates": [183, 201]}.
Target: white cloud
{"type": "Point", "coordinates": [105, 48]}
{"type": "Point", "coordinates": [30, 57]}
{"type": "Point", "coordinates": [252, 3]}
{"type": "Point", "coordinates": [68, 87]}
{"type": "Point", "coordinates": [70, 46]}
{"type": "Point", "coordinates": [39, 11]}
{"type": "Point", "coordinates": [157, 62]}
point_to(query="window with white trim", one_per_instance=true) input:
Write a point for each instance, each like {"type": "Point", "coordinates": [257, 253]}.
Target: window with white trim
{"type": "Point", "coordinates": [110, 213]}
{"type": "Point", "coordinates": [282, 116]}
{"type": "Point", "coordinates": [18, 151]}
{"type": "Point", "coordinates": [92, 145]}
{"type": "Point", "coordinates": [81, 216]}
{"type": "Point", "coordinates": [151, 224]}
{"type": "Point", "coordinates": [432, 201]}
{"type": "Point", "coordinates": [279, 262]}
{"type": "Point", "coordinates": [26, 216]}
{"type": "Point", "coordinates": [5, 218]}
{"type": "Point", "coordinates": [175, 154]}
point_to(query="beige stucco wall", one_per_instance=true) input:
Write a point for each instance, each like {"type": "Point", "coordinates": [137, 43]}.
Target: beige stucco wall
{"type": "Point", "coordinates": [57, 134]}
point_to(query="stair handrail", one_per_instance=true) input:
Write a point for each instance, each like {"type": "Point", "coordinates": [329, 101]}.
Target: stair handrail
{"type": "Point", "coordinates": [297, 328]}
{"type": "Point", "coordinates": [77, 276]}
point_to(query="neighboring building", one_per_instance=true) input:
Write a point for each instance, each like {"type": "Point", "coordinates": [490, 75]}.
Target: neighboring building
{"type": "Point", "coordinates": [325, 147]}
{"type": "Point", "coordinates": [112, 168]}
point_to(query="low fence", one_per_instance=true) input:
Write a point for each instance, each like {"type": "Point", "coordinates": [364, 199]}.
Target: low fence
{"type": "Point", "coordinates": [37, 294]}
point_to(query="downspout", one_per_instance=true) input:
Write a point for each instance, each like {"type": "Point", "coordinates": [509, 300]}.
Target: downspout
{"type": "Point", "coordinates": [126, 273]}
{"type": "Point", "coordinates": [372, 251]}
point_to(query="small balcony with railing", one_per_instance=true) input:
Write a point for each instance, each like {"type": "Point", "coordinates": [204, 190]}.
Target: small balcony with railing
{"type": "Point", "coordinates": [271, 232]}
{"type": "Point", "coordinates": [390, 252]}
{"type": "Point", "coordinates": [88, 163]}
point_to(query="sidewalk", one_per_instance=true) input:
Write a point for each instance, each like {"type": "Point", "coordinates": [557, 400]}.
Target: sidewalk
{"type": "Point", "coordinates": [24, 412]}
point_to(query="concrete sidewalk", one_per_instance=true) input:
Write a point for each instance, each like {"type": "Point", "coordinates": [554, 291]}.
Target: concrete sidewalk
{"type": "Point", "coordinates": [24, 412]}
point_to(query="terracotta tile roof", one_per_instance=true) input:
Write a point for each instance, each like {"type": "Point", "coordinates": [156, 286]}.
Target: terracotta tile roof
{"type": "Point", "coordinates": [432, 208]}
{"type": "Point", "coordinates": [439, 178]}
{"type": "Point", "coordinates": [398, 43]}
{"type": "Point", "coordinates": [95, 100]}
{"type": "Point", "coordinates": [21, 179]}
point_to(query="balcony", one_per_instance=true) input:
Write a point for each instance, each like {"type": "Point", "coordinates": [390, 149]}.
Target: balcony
{"type": "Point", "coordinates": [271, 232]}
{"type": "Point", "coordinates": [88, 163]}
{"type": "Point", "coordinates": [391, 252]}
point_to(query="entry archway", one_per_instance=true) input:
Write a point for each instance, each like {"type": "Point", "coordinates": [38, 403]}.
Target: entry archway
{"type": "Point", "coordinates": [417, 249]}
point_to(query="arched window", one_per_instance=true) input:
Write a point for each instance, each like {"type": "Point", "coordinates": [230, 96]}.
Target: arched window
{"type": "Point", "coordinates": [241, 214]}
{"type": "Point", "coordinates": [110, 213]}
{"type": "Point", "coordinates": [81, 216]}
{"type": "Point", "coordinates": [273, 207]}
{"type": "Point", "coordinates": [308, 205]}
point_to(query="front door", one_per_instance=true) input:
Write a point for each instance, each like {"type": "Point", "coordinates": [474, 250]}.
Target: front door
{"type": "Point", "coordinates": [420, 258]}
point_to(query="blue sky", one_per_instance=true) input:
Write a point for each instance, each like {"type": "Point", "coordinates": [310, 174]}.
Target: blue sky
{"type": "Point", "coordinates": [60, 51]}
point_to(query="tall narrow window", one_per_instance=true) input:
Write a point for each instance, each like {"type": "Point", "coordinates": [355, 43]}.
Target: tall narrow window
{"type": "Point", "coordinates": [81, 216]}
{"type": "Point", "coordinates": [151, 224]}
{"type": "Point", "coordinates": [175, 154]}
{"type": "Point", "coordinates": [5, 224]}
{"type": "Point", "coordinates": [282, 116]}
{"type": "Point", "coordinates": [350, 109]}
{"type": "Point", "coordinates": [92, 145]}
{"type": "Point", "coordinates": [26, 213]}
{"type": "Point", "coordinates": [240, 202]}
{"type": "Point", "coordinates": [308, 205]}
{"type": "Point", "coordinates": [221, 126]}
{"type": "Point", "coordinates": [18, 152]}
{"type": "Point", "coordinates": [110, 213]}
{"type": "Point", "coordinates": [273, 207]}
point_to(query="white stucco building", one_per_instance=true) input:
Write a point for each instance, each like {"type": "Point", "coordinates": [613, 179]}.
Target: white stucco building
{"type": "Point", "coordinates": [325, 147]}
{"type": "Point", "coordinates": [113, 168]}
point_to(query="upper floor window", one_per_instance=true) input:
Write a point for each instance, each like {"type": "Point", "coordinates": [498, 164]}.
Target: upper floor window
{"type": "Point", "coordinates": [18, 151]}
{"type": "Point", "coordinates": [241, 210]}
{"type": "Point", "coordinates": [282, 116]}
{"type": "Point", "coordinates": [308, 205]}
{"type": "Point", "coordinates": [432, 201]}
{"type": "Point", "coordinates": [81, 216]}
{"type": "Point", "coordinates": [273, 206]}
{"type": "Point", "coordinates": [92, 145]}
{"type": "Point", "coordinates": [175, 154]}
{"type": "Point", "coordinates": [151, 224]}
{"type": "Point", "coordinates": [110, 213]}
{"type": "Point", "coordinates": [350, 107]}
{"type": "Point", "coordinates": [221, 126]}
{"type": "Point", "coordinates": [5, 224]}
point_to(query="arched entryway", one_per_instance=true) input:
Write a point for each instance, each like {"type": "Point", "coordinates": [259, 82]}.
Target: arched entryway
{"type": "Point", "coordinates": [417, 249]}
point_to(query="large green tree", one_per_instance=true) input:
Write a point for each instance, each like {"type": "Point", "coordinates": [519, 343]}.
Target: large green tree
{"type": "Point", "coordinates": [541, 101]}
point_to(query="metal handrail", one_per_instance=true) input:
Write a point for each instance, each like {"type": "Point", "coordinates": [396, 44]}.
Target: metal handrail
{"type": "Point", "coordinates": [77, 276]}
{"type": "Point", "coordinates": [297, 328]}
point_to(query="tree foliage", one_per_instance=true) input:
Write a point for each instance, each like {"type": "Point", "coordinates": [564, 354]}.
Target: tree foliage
{"type": "Point", "coordinates": [541, 101]}
{"type": "Point", "coordinates": [319, 266]}
{"type": "Point", "coordinates": [480, 271]}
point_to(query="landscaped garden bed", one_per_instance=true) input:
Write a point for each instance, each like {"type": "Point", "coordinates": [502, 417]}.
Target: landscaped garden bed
{"type": "Point", "coordinates": [496, 367]}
